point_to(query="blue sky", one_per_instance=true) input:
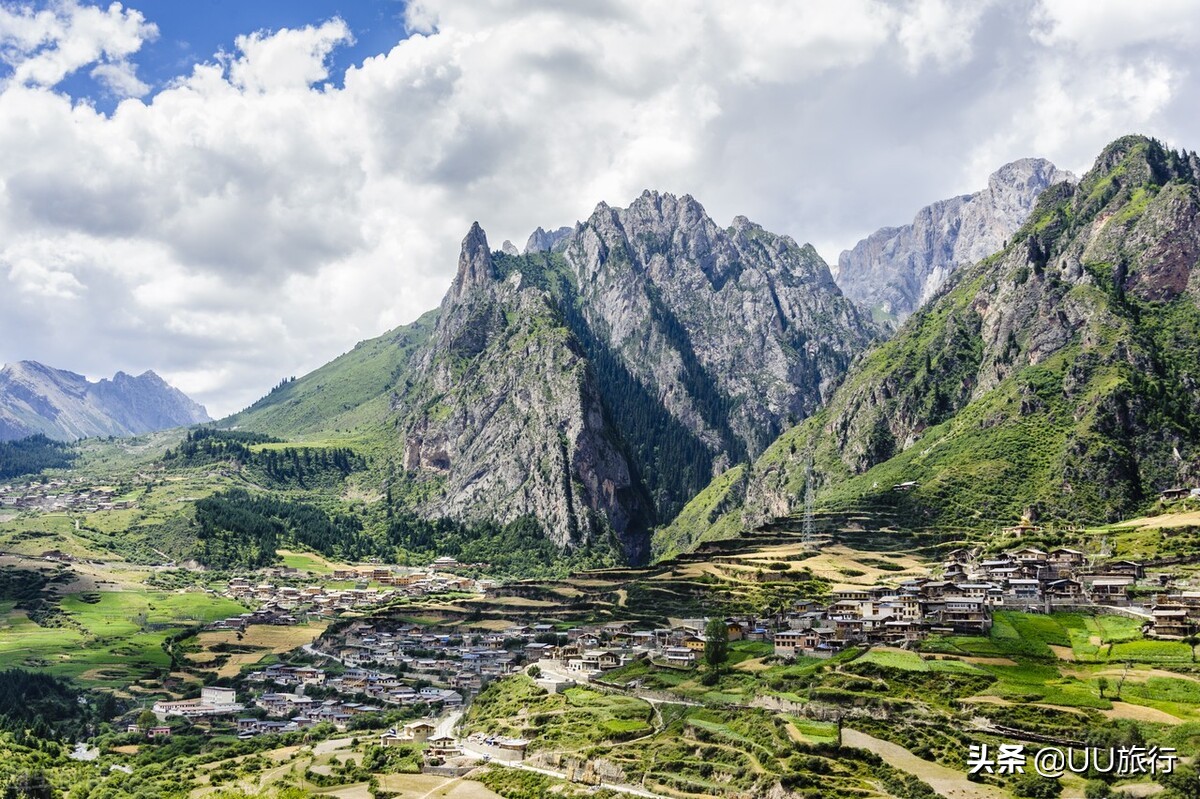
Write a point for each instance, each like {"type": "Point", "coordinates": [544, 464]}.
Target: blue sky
{"type": "Point", "coordinates": [191, 31]}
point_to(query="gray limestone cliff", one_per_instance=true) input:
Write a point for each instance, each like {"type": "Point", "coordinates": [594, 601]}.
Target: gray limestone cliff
{"type": "Point", "coordinates": [541, 241]}
{"type": "Point", "coordinates": [739, 331]}
{"type": "Point", "coordinates": [897, 269]}
{"type": "Point", "coordinates": [505, 418]}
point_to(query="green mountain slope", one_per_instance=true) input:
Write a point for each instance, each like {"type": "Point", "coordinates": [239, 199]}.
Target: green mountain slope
{"type": "Point", "coordinates": [1059, 378]}
{"type": "Point", "coordinates": [351, 393]}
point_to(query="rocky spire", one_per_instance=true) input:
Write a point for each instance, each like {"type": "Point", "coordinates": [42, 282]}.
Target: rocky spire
{"type": "Point", "coordinates": [475, 267]}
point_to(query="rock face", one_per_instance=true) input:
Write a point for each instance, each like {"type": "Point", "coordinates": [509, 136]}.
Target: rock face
{"type": "Point", "coordinates": [35, 398]}
{"type": "Point", "coordinates": [506, 418]}
{"type": "Point", "coordinates": [600, 379]}
{"type": "Point", "coordinates": [738, 330]}
{"type": "Point", "coordinates": [897, 269]}
{"type": "Point", "coordinates": [1058, 378]}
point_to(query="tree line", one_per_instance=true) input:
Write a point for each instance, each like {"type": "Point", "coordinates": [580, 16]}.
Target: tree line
{"type": "Point", "coordinates": [303, 467]}
{"type": "Point", "coordinates": [32, 455]}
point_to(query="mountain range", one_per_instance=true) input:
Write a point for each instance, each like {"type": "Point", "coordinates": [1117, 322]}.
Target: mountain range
{"type": "Point", "coordinates": [598, 380]}
{"type": "Point", "coordinates": [647, 379]}
{"type": "Point", "coordinates": [35, 398]}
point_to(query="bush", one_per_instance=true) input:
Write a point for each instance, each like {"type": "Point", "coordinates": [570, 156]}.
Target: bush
{"type": "Point", "coordinates": [1035, 786]}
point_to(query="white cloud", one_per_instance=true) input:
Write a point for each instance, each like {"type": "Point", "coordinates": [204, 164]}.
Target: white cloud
{"type": "Point", "coordinates": [1072, 114]}
{"type": "Point", "coordinates": [44, 47]}
{"type": "Point", "coordinates": [940, 31]}
{"type": "Point", "coordinates": [287, 59]}
{"type": "Point", "coordinates": [1104, 25]}
{"type": "Point", "coordinates": [120, 77]}
{"type": "Point", "coordinates": [250, 220]}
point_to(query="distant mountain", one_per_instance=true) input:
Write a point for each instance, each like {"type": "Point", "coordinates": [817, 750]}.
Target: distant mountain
{"type": "Point", "coordinates": [1058, 378]}
{"type": "Point", "coordinates": [35, 398]}
{"type": "Point", "coordinates": [596, 381]}
{"type": "Point", "coordinates": [896, 269]}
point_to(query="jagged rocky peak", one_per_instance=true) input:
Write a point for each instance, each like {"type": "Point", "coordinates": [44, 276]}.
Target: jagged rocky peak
{"type": "Point", "coordinates": [599, 381]}
{"type": "Point", "coordinates": [504, 419]}
{"type": "Point", "coordinates": [896, 269]}
{"type": "Point", "coordinates": [475, 265]}
{"type": "Point", "coordinates": [508, 248]}
{"type": "Point", "coordinates": [738, 329]}
{"type": "Point", "coordinates": [542, 241]}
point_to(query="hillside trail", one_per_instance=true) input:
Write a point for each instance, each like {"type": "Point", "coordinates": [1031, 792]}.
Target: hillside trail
{"type": "Point", "coordinates": [945, 781]}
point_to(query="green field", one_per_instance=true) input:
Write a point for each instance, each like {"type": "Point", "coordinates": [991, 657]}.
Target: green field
{"type": "Point", "coordinates": [309, 563]}
{"type": "Point", "coordinates": [112, 641]}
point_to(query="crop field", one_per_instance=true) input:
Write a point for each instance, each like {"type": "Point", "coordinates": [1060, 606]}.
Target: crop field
{"type": "Point", "coordinates": [1089, 639]}
{"type": "Point", "coordinates": [232, 651]}
{"type": "Point", "coordinates": [306, 561]}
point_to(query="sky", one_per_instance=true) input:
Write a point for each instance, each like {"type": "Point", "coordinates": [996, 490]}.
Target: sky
{"type": "Point", "coordinates": [232, 192]}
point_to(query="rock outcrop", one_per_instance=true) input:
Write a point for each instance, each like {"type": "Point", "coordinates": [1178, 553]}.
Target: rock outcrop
{"type": "Point", "coordinates": [738, 330]}
{"type": "Point", "coordinates": [541, 241]}
{"type": "Point", "coordinates": [506, 419]}
{"type": "Point", "coordinates": [600, 379]}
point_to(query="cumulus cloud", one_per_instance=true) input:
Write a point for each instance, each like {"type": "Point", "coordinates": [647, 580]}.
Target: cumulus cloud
{"type": "Point", "coordinates": [43, 47]}
{"type": "Point", "coordinates": [258, 215]}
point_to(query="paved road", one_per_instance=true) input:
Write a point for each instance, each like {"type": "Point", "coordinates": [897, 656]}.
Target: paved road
{"type": "Point", "coordinates": [317, 653]}
{"type": "Point", "coordinates": [447, 723]}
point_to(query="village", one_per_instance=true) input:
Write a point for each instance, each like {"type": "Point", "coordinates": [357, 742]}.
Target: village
{"type": "Point", "coordinates": [329, 597]}
{"type": "Point", "coordinates": [58, 495]}
{"type": "Point", "coordinates": [384, 664]}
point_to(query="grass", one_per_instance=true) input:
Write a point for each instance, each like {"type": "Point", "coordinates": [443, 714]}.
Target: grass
{"type": "Point", "coordinates": [816, 732]}
{"type": "Point", "coordinates": [1025, 635]}
{"type": "Point", "coordinates": [347, 396]}
{"type": "Point", "coordinates": [305, 561]}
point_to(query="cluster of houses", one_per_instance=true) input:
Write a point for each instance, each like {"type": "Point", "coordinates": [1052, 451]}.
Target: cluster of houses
{"type": "Point", "coordinates": [299, 710]}
{"type": "Point", "coordinates": [463, 661]}
{"type": "Point", "coordinates": [445, 747]}
{"type": "Point", "coordinates": [287, 602]}
{"type": "Point", "coordinates": [290, 710]}
{"type": "Point", "coordinates": [1175, 615]}
{"type": "Point", "coordinates": [378, 685]}
{"type": "Point", "coordinates": [60, 495]}
{"type": "Point", "coordinates": [959, 601]}
{"type": "Point", "coordinates": [1031, 576]}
